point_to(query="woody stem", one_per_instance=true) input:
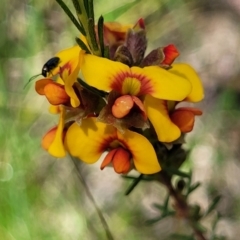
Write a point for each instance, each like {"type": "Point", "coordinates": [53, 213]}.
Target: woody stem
{"type": "Point", "coordinates": [181, 205]}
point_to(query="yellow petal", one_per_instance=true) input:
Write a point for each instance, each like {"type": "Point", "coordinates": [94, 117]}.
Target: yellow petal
{"type": "Point", "coordinates": [143, 153]}
{"type": "Point", "coordinates": [186, 71]}
{"type": "Point", "coordinates": [48, 138]}
{"type": "Point", "coordinates": [88, 141]}
{"type": "Point", "coordinates": [70, 79]}
{"type": "Point", "coordinates": [101, 72]}
{"type": "Point", "coordinates": [108, 75]}
{"type": "Point", "coordinates": [54, 109]}
{"type": "Point", "coordinates": [158, 114]}
{"type": "Point", "coordinates": [165, 85]}
{"type": "Point", "coordinates": [57, 149]}
{"type": "Point", "coordinates": [65, 56]}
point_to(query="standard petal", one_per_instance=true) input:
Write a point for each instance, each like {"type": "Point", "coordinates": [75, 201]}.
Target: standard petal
{"type": "Point", "coordinates": [157, 112]}
{"type": "Point", "coordinates": [143, 153]}
{"type": "Point", "coordinates": [162, 84]}
{"type": "Point", "coordinates": [88, 141]}
{"type": "Point", "coordinates": [187, 72]}
{"type": "Point", "coordinates": [102, 73]}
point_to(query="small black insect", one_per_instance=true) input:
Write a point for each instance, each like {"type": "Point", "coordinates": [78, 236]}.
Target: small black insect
{"type": "Point", "coordinates": [50, 65]}
{"type": "Point", "coordinates": [47, 68]}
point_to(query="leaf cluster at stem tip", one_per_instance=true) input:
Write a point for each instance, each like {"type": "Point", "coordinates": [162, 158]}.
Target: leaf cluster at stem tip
{"type": "Point", "coordinates": [85, 23]}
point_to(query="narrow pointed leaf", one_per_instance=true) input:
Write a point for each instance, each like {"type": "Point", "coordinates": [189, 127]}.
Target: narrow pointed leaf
{"type": "Point", "coordinates": [92, 34]}
{"type": "Point", "coordinates": [213, 205]}
{"type": "Point", "coordinates": [193, 187]}
{"type": "Point", "coordinates": [100, 34]}
{"type": "Point", "coordinates": [91, 10]}
{"type": "Point", "coordinates": [158, 206]}
{"type": "Point", "coordinates": [82, 45]}
{"type": "Point", "coordinates": [199, 227]}
{"type": "Point", "coordinates": [166, 202]}
{"type": "Point", "coordinates": [177, 172]}
{"type": "Point", "coordinates": [94, 90]}
{"type": "Point", "coordinates": [85, 2]}
{"type": "Point", "coordinates": [71, 16]}
{"type": "Point", "coordinates": [157, 219]}
{"type": "Point", "coordinates": [134, 184]}
{"type": "Point", "coordinates": [145, 178]}
{"type": "Point", "coordinates": [106, 52]}
{"type": "Point", "coordinates": [77, 6]}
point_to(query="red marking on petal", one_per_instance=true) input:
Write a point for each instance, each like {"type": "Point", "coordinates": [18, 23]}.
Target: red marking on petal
{"type": "Point", "coordinates": [65, 70]}
{"type": "Point", "coordinates": [171, 53]}
{"type": "Point", "coordinates": [105, 143]}
{"type": "Point", "coordinates": [146, 85]}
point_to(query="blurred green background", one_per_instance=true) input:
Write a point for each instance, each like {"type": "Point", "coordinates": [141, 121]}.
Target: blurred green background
{"type": "Point", "coordinates": [42, 197]}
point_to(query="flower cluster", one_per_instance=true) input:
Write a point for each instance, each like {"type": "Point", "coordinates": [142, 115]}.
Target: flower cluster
{"type": "Point", "coordinates": [121, 102]}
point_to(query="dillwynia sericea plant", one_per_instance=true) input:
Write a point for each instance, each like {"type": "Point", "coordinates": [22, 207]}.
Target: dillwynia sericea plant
{"type": "Point", "coordinates": [112, 97]}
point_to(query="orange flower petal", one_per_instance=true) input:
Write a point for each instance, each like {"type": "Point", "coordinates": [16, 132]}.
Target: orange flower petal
{"type": "Point", "coordinates": [55, 93]}
{"type": "Point", "coordinates": [48, 138]}
{"type": "Point", "coordinates": [171, 53]}
{"type": "Point", "coordinates": [184, 120]}
{"type": "Point", "coordinates": [108, 159]}
{"type": "Point", "coordinates": [122, 106]}
{"type": "Point", "coordinates": [121, 161]}
{"type": "Point", "coordinates": [40, 84]}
